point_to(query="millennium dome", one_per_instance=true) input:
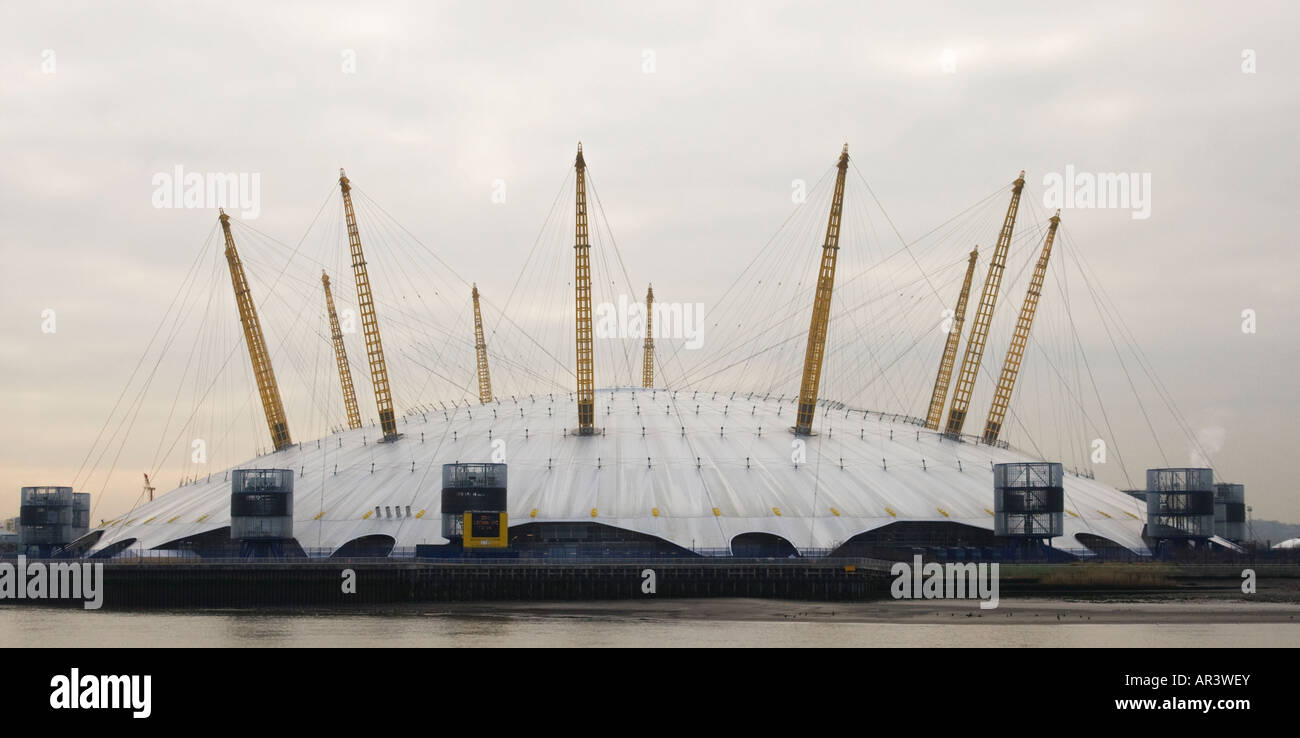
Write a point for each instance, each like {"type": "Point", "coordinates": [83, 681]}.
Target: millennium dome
{"type": "Point", "coordinates": [697, 470]}
{"type": "Point", "coordinates": [684, 463]}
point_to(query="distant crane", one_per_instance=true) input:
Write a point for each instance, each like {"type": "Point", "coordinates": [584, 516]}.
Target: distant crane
{"type": "Point", "coordinates": [970, 362]}
{"type": "Point", "coordinates": [582, 298]}
{"type": "Point", "coordinates": [816, 349]}
{"type": "Point", "coordinates": [480, 348]}
{"type": "Point", "coordinates": [648, 362]}
{"type": "Point", "coordinates": [341, 356]}
{"type": "Point", "coordinates": [272, 405]}
{"type": "Point", "coordinates": [369, 321]}
{"type": "Point", "coordinates": [940, 394]}
{"type": "Point", "coordinates": [1016, 351]}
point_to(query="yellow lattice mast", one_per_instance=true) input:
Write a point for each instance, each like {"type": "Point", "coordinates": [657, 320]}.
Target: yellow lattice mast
{"type": "Point", "coordinates": [480, 348]}
{"type": "Point", "coordinates": [940, 394]}
{"type": "Point", "coordinates": [816, 350]}
{"type": "Point", "coordinates": [257, 353]}
{"type": "Point", "coordinates": [369, 322]}
{"type": "Point", "coordinates": [970, 363]}
{"type": "Point", "coordinates": [582, 297]}
{"type": "Point", "coordinates": [341, 356]}
{"type": "Point", "coordinates": [1016, 352]}
{"type": "Point", "coordinates": [648, 361]}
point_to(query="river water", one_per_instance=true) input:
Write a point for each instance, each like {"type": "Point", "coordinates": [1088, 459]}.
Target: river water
{"type": "Point", "coordinates": [704, 623]}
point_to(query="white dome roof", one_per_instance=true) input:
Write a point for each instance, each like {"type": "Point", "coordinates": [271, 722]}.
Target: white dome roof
{"type": "Point", "coordinates": [641, 474]}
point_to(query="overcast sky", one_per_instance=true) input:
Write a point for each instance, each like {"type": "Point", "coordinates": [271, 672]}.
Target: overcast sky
{"type": "Point", "coordinates": [697, 115]}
